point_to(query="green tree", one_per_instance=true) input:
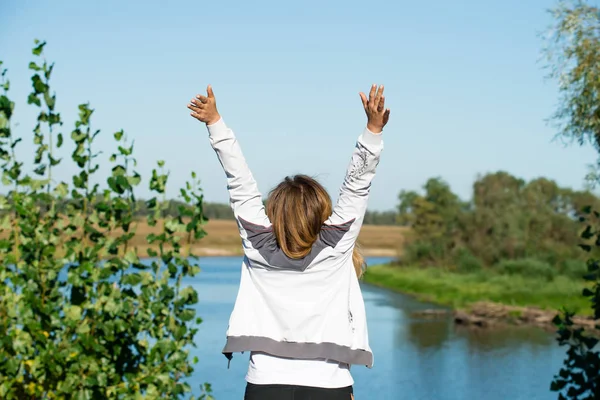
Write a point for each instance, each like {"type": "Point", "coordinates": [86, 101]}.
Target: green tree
{"type": "Point", "coordinates": [574, 58]}
{"type": "Point", "coordinates": [381, 218]}
{"type": "Point", "coordinates": [81, 315]}
{"type": "Point", "coordinates": [507, 218]}
{"type": "Point", "coordinates": [434, 218]}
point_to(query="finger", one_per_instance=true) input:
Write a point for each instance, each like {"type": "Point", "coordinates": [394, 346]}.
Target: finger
{"type": "Point", "coordinates": [364, 100]}
{"type": "Point", "coordinates": [193, 107]}
{"type": "Point", "coordinates": [372, 94]}
{"type": "Point", "coordinates": [198, 103]}
{"type": "Point", "coordinates": [378, 96]}
{"type": "Point", "coordinates": [210, 92]}
{"type": "Point", "coordinates": [203, 99]}
{"type": "Point", "coordinates": [381, 105]}
{"type": "Point", "coordinates": [386, 116]}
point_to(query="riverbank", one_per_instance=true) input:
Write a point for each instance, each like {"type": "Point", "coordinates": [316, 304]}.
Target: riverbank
{"type": "Point", "coordinates": [485, 299]}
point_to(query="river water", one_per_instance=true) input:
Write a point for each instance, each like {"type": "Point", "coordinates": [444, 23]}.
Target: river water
{"type": "Point", "coordinates": [415, 358]}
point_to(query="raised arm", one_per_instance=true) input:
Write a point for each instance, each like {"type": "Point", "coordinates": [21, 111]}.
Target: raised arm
{"type": "Point", "coordinates": [246, 200]}
{"type": "Point", "coordinates": [353, 197]}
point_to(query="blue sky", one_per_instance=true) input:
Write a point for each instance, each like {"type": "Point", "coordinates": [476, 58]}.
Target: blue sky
{"type": "Point", "coordinates": [463, 79]}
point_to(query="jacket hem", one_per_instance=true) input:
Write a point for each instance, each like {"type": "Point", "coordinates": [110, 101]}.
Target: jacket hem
{"type": "Point", "coordinates": [331, 351]}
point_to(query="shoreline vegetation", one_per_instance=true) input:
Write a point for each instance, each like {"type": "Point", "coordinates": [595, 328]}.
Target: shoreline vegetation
{"type": "Point", "coordinates": [485, 299]}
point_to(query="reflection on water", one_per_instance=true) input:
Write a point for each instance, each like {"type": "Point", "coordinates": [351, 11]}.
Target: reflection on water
{"type": "Point", "coordinates": [415, 357]}
{"type": "Point", "coordinates": [427, 335]}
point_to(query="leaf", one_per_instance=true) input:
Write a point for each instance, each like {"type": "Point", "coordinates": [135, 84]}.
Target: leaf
{"type": "Point", "coordinates": [132, 279]}
{"type": "Point", "coordinates": [131, 257]}
{"type": "Point", "coordinates": [48, 71]}
{"type": "Point", "coordinates": [118, 135]}
{"type": "Point", "coordinates": [557, 320]}
{"type": "Point", "coordinates": [73, 313]}
{"type": "Point", "coordinates": [50, 100]}
{"type": "Point", "coordinates": [587, 292]}
{"type": "Point", "coordinates": [84, 394]}
{"type": "Point", "coordinates": [38, 85]}
{"type": "Point", "coordinates": [124, 151]}
{"type": "Point", "coordinates": [558, 384]}
{"type": "Point", "coordinates": [135, 179]}
{"type": "Point", "coordinates": [586, 209]}
{"type": "Point", "coordinates": [119, 170]}
{"type": "Point", "coordinates": [33, 99]}
{"type": "Point", "coordinates": [585, 247]}
{"type": "Point", "coordinates": [151, 203]}
{"type": "Point", "coordinates": [587, 233]}
{"type": "Point", "coordinates": [188, 314]}
{"type": "Point", "coordinates": [39, 48]}
{"type": "Point", "coordinates": [34, 66]}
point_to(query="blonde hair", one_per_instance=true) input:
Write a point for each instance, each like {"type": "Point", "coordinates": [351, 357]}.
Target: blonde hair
{"type": "Point", "coordinates": [297, 208]}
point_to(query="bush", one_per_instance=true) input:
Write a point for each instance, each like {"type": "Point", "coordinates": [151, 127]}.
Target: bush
{"type": "Point", "coordinates": [575, 269]}
{"type": "Point", "coordinates": [466, 262]}
{"type": "Point", "coordinates": [528, 267]}
{"type": "Point", "coordinates": [81, 316]}
{"type": "Point", "coordinates": [422, 252]}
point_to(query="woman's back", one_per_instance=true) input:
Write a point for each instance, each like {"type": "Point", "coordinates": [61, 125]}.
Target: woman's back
{"type": "Point", "coordinates": [315, 313]}
{"type": "Point", "coordinates": [299, 308]}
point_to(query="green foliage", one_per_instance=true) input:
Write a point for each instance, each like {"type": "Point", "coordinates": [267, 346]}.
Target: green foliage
{"type": "Point", "coordinates": [573, 54]}
{"type": "Point", "coordinates": [580, 376]}
{"type": "Point", "coordinates": [381, 218]}
{"type": "Point", "coordinates": [506, 219]}
{"type": "Point", "coordinates": [463, 289]}
{"type": "Point", "coordinates": [466, 262]}
{"type": "Point", "coordinates": [574, 58]}
{"type": "Point", "coordinates": [171, 208]}
{"type": "Point", "coordinates": [575, 269]}
{"type": "Point", "coordinates": [530, 267]}
{"type": "Point", "coordinates": [433, 218]}
{"type": "Point", "coordinates": [424, 252]}
{"type": "Point", "coordinates": [81, 314]}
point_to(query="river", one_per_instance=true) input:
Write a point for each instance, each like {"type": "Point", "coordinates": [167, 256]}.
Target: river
{"type": "Point", "coordinates": [415, 358]}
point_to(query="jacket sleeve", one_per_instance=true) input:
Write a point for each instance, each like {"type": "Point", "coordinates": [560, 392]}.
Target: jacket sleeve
{"type": "Point", "coordinates": [354, 193]}
{"type": "Point", "coordinates": [245, 199]}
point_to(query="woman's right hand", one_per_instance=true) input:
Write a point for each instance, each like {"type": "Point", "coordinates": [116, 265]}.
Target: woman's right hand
{"type": "Point", "coordinates": [204, 108]}
{"type": "Point", "coordinates": [377, 114]}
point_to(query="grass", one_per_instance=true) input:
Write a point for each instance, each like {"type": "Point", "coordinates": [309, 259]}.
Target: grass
{"type": "Point", "coordinates": [459, 290]}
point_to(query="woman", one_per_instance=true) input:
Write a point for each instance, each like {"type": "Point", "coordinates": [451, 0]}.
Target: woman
{"type": "Point", "coordinates": [299, 309]}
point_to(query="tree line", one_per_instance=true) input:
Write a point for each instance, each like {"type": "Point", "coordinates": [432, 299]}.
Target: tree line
{"type": "Point", "coordinates": [507, 218]}
{"type": "Point", "coordinates": [222, 211]}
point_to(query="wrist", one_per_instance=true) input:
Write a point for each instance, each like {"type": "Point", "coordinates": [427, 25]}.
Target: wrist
{"type": "Point", "coordinates": [374, 128]}
{"type": "Point", "coordinates": [213, 120]}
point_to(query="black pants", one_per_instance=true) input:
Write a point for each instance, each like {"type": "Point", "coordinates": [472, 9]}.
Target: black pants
{"type": "Point", "coordinates": [292, 392]}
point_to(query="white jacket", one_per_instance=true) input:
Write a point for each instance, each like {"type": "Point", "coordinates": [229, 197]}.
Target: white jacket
{"type": "Point", "coordinates": [299, 308]}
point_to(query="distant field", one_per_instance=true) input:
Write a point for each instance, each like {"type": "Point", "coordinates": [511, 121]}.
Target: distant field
{"type": "Point", "coordinates": [223, 239]}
